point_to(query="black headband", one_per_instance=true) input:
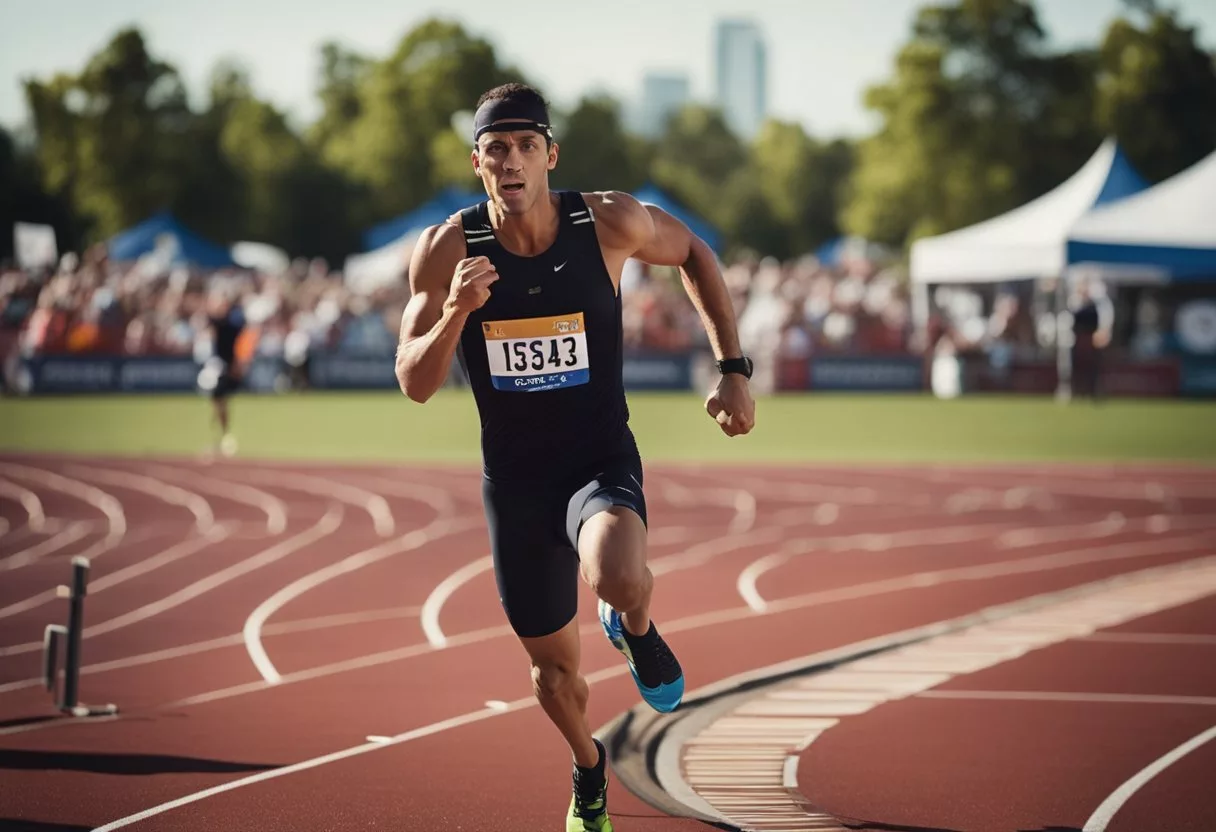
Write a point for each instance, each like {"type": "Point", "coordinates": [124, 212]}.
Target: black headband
{"type": "Point", "coordinates": [491, 112]}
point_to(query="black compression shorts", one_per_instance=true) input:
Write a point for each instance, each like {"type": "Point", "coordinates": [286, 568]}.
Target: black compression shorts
{"type": "Point", "coordinates": [227, 384]}
{"type": "Point", "coordinates": [534, 530]}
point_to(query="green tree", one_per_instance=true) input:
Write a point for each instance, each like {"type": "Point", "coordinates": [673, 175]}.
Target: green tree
{"type": "Point", "coordinates": [273, 186]}
{"type": "Point", "coordinates": [901, 183]}
{"type": "Point", "coordinates": [977, 119]}
{"type": "Point", "coordinates": [400, 105]}
{"type": "Point", "coordinates": [802, 181]}
{"type": "Point", "coordinates": [115, 139]}
{"type": "Point", "coordinates": [1156, 90]}
{"type": "Point", "coordinates": [596, 152]}
{"type": "Point", "coordinates": [22, 198]}
{"type": "Point", "coordinates": [342, 74]}
{"type": "Point", "coordinates": [748, 217]}
{"type": "Point", "coordinates": [694, 159]}
{"type": "Point", "coordinates": [451, 160]}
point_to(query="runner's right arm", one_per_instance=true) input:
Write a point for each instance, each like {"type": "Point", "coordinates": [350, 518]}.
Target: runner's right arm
{"type": "Point", "coordinates": [444, 290]}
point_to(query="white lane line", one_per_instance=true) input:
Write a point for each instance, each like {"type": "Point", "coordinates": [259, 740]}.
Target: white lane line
{"type": "Point", "coordinates": [1103, 815]}
{"type": "Point", "coordinates": [691, 622]}
{"type": "Point", "coordinates": [375, 505]}
{"type": "Point", "coordinates": [183, 549]}
{"type": "Point", "coordinates": [1153, 638]}
{"type": "Point", "coordinates": [784, 719]}
{"type": "Point", "coordinates": [746, 583]}
{"type": "Point", "coordinates": [431, 608]}
{"type": "Point", "coordinates": [412, 540]}
{"type": "Point", "coordinates": [140, 534]}
{"type": "Point", "coordinates": [806, 492]}
{"type": "Point", "coordinates": [328, 523]}
{"type": "Point", "coordinates": [379, 742]}
{"type": "Point", "coordinates": [29, 502]}
{"type": "Point", "coordinates": [745, 513]}
{"type": "Point", "coordinates": [74, 531]}
{"type": "Point", "coordinates": [363, 662]}
{"type": "Point", "coordinates": [235, 640]}
{"type": "Point", "coordinates": [1120, 485]}
{"type": "Point", "coordinates": [343, 666]}
{"type": "Point", "coordinates": [324, 622]}
{"type": "Point", "coordinates": [1068, 696]}
{"type": "Point", "coordinates": [740, 500]}
{"type": "Point", "coordinates": [440, 499]}
{"type": "Point", "coordinates": [1036, 536]}
{"type": "Point", "coordinates": [1059, 560]}
{"type": "Point", "coordinates": [274, 508]}
{"type": "Point", "coordinates": [196, 504]}
{"type": "Point", "coordinates": [701, 553]}
{"type": "Point", "coordinates": [375, 744]}
{"type": "Point", "coordinates": [102, 500]}
{"type": "Point", "coordinates": [136, 661]}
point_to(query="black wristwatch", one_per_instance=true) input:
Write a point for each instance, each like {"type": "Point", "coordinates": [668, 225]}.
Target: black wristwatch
{"type": "Point", "coordinates": [742, 366]}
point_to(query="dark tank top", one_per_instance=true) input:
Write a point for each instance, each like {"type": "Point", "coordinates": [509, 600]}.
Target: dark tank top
{"type": "Point", "coordinates": [543, 356]}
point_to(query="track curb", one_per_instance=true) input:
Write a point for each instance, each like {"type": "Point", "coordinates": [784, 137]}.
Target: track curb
{"type": "Point", "coordinates": [644, 745]}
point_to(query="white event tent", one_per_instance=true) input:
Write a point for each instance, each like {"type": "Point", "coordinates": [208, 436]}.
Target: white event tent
{"type": "Point", "coordinates": [1030, 241]}
{"type": "Point", "coordinates": [1171, 227]}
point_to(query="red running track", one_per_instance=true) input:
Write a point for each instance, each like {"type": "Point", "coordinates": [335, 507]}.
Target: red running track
{"type": "Point", "coordinates": [364, 596]}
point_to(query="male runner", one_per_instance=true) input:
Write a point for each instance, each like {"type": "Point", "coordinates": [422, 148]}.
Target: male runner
{"type": "Point", "coordinates": [222, 373]}
{"type": "Point", "coordinates": [524, 287]}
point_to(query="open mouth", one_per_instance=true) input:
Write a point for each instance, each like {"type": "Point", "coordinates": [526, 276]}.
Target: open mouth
{"type": "Point", "coordinates": [513, 187]}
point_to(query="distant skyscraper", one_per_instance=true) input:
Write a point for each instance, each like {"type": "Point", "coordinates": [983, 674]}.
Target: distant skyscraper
{"type": "Point", "coordinates": [740, 68]}
{"type": "Point", "coordinates": [662, 95]}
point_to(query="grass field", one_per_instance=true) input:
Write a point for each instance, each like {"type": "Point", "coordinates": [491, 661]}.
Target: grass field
{"type": "Point", "coordinates": [669, 427]}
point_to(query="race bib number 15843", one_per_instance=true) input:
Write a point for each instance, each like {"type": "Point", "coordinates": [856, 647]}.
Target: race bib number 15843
{"type": "Point", "coordinates": [531, 354]}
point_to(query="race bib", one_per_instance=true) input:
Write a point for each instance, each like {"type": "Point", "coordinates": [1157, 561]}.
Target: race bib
{"type": "Point", "coordinates": [531, 354]}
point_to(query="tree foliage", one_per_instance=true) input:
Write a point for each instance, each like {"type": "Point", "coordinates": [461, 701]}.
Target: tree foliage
{"type": "Point", "coordinates": [1156, 90]}
{"type": "Point", "coordinates": [977, 116]}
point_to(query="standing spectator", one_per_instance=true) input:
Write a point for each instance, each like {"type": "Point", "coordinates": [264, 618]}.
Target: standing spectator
{"type": "Point", "coordinates": [1092, 319]}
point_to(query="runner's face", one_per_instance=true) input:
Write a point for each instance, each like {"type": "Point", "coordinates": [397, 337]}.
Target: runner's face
{"type": "Point", "coordinates": [514, 167]}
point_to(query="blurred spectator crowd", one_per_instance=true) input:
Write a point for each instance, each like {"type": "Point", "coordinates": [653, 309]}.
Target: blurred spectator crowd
{"type": "Point", "coordinates": [90, 305]}
{"type": "Point", "coordinates": [93, 306]}
{"type": "Point", "coordinates": [788, 310]}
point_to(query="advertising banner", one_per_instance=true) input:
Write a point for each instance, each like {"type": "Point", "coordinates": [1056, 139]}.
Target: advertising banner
{"type": "Point", "coordinates": [896, 373]}
{"type": "Point", "coordinates": [1198, 377]}
{"type": "Point", "coordinates": [81, 374]}
{"type": "Point", "coordinates": [658, 371]}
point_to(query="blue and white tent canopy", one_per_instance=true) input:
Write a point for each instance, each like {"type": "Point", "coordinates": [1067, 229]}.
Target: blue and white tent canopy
{"type": "Point", "coordinates": [163, 234]}
{"type": "Point", "coordinates": [1030, 241]}
{"type": "Point", "coordinates": [697, 224]}
{"type": "Point", "coordinates": [1170, 227]}
{"type": "Point", "coordinates": [432, 212]}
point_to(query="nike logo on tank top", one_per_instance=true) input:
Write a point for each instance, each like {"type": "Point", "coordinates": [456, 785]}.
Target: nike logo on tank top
{"type": "Point", "coordinates": [544, 354]}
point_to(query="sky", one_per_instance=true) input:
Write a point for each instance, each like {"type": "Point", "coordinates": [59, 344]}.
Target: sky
{"type": "Point", "coordinates": [821, 53]}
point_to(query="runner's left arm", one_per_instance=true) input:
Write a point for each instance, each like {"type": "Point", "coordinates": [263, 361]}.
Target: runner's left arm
{"type": "Point", "coordinates": [662, 240]}
{"type": "Point", "coordinates": [654, 236]}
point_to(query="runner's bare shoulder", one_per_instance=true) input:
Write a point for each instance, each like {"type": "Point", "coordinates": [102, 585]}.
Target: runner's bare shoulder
{"type": "Point", "coordinates": [621, 221]}
{"type": "Point", "coordinates": [438, 250]}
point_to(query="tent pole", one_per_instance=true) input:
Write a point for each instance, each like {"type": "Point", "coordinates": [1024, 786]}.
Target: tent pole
{"type": "Point", "coordinates": [1063, 353]}
{"type": "Point", "coordinates": [920, 309]}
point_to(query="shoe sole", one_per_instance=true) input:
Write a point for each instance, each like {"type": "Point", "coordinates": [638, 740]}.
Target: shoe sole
{"type": "Point", "coordinates": [666, 697]}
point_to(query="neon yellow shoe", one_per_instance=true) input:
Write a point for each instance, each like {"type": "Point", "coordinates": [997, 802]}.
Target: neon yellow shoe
{"type": "Point", "coordinates": [589, 805]}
